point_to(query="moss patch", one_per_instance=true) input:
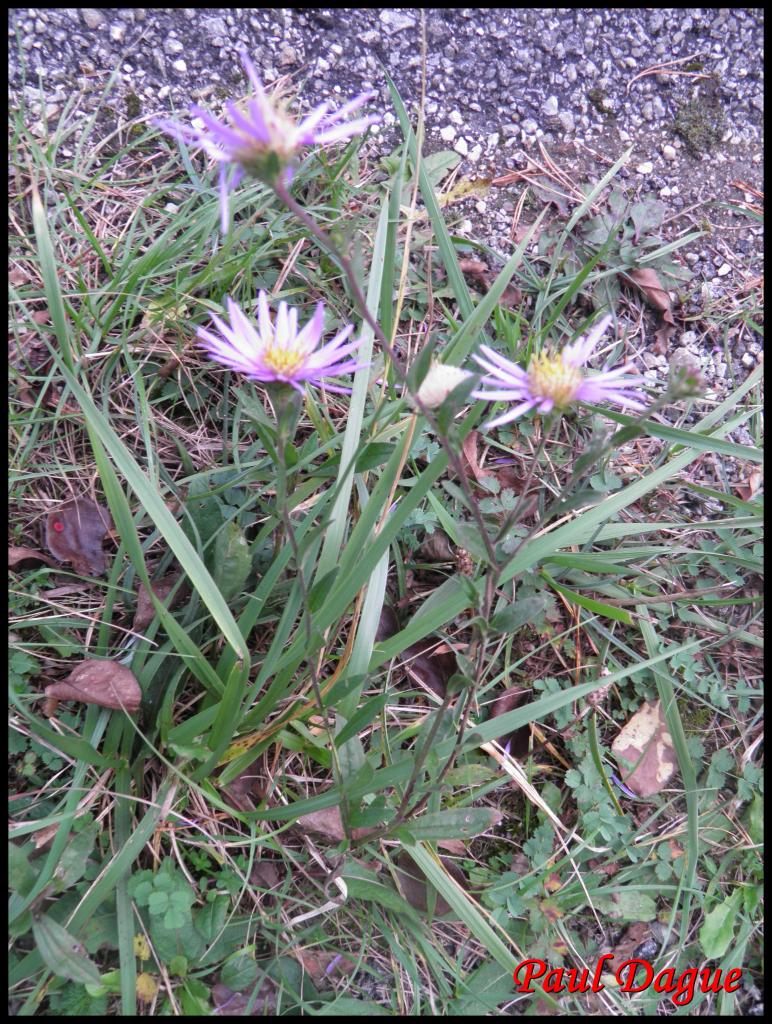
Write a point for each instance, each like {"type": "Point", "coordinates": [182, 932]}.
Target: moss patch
{"type": "Point", "coordinates": [701, 121]}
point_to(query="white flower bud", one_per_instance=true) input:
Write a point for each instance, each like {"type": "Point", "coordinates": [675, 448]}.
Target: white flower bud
{"type": "Point", "coordinates": [438, 384]}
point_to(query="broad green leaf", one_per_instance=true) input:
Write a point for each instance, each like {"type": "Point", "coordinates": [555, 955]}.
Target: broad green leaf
{"type": "Point", "coordinates": [520, 612]}
{"type": "Point", "coordinates": [718, 927]}
{"type": "Point", "coordinates": [458, 823]}
{"type": "Point", "coordinates": [61, 952]}
{"type": "Point", "coordinates": [232, 560]}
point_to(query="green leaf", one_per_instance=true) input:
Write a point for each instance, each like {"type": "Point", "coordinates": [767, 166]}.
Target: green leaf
{"type": "Point", "coordinates": [627, 905]}
{"type": "Point", "coordinates": [520, 612]}
{"type": "Point", "coordinates": [232, 560]}
{"type": "Point", "coordinates": [74, 859]}
{"type": "Point", "coordinates": [461, 823]}
{"type": "Point", "coordinates": [239, 971]}
{"type": "Point", "coordinates": [210, 919]}
{"type": "Point", "coordinates": [717, 930]}
{"type": "Point", "coordinates": [756, 819]}
{"type": "Point", "coordinates": [20, 874]}
{"type": "Point", "coordinates": [590, 604]}
{"type": "Point", "coordinates": [61, 952]}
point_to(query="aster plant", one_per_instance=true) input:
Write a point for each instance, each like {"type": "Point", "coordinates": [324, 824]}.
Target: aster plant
{"type": "Point", "coordinates": [555, 380]}
{"type": "Point", "coordinates": [260, 138]}
{"type": "Point", "coordinates": [276, 352]}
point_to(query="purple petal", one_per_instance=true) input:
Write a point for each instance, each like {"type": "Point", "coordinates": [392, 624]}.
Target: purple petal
{"type": "Point", "coordinates": [224, 211]}
{"type": "Point", "coordinates": [519, 410]}
{"type": "Point", "coordinates": [508, 395]}
{"type": "Point", "coordinates": [580, 351]}
{"type": "Point", "coordinates": [343, 131]}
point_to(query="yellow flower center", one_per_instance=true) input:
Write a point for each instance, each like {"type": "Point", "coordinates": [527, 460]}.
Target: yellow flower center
{"type": "Point", "coordinates": [550, 377]}
{"type": "Point", "coordinates": [283, 361]}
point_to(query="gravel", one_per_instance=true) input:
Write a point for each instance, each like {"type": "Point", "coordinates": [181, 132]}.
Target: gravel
{"type": "Point", "coordinates": [683, 87]}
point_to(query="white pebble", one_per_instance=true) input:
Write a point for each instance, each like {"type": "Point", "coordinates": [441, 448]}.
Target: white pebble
{"type": "Point", "coordinates": [645, 168]}
{"type": "Point", "coordinates": [723, 270]}
{"type": "Point", "coordinates": [668, 152]}
{"type": "Point", "coordinates": [461, 146]}
{"type": "Point", "coordinates": [180, 65]}
{"type": "Point", "coordinates": [448, 133]}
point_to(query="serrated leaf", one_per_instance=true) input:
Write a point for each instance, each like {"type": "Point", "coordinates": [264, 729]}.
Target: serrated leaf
{"type": "Point", "coordinates": [62, 953]}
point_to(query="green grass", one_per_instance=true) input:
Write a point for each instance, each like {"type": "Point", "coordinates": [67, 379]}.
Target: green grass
{"type": "Point", "coordinates": [142, 876]}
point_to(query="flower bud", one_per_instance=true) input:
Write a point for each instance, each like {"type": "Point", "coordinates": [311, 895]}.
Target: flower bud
{"type": "Point", "coordinates": [438, 384]}
{"type": "Point", "coordinates": [684, 377]}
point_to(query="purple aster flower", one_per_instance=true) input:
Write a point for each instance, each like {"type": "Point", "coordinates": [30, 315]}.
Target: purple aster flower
{"type": "Point", "coordinates": [261, 138]}
{"type": "Point", "coordinates": [277, 352]}
{"type": "Point", "coordinates": [553, 381]}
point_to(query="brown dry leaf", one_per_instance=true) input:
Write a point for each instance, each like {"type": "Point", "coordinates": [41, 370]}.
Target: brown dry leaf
{"type": "Point", "coordinates": [234, 1004]}
{"type": "Point", "coordinates": [469, 450]}
{"type": "Point", "coordinates": [631, 938]}
{"type": "Point", "coordinates": [145, 612]}
{"type": "Point", "coordinates": [455, 846]}
{"type": "Point", "coordinates": [437, 547]}
{"type": "Point", "coordinates": [323, 967]}
{"type": "Point", "coordinates": [648, 282]}
{"type": "Point", "coordinates": [329, 823]}
{"type": "Point", "coordinates": [22, 554]}
{"type": "Point", "coordinates": [412, 882]}
{"type": "Point", "coordinates": [248, 786]}
{"type": "Point", "coordinates": [750, 487]}
{"type": "Point", "coordinates": [515, 742]}
{"type": "Point", "coordinates": [388, 624]}
{"type": "Point", "coordinates": [106, 683]}
{"type": "Point", "coordinates": [74, 533]}
{"type": "Point", "coordinates": [430, 665]}
{"type": "Point", "coordinates": [265, 874]}
{"type": "Point", "coordinates": [501, 470]}
{"type": "Point", "coordinates": [644, 751]}
{"type": "Point", "coordinates": [484, 278]}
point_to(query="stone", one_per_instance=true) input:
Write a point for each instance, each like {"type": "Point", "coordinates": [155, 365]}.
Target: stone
{"type": "Point", "coordinates": [396, 21]}
{"type": "Point", "coordinates": [645, 168]}
{"type": "Point", "coordinates": [550, 106]}
{"type": "Point", "coordinates": [448, 133]}
{"type": "Point", "coordinates": [92, 17]}
{"type": "Point", "coordinates": [461, 146]}
{"type": "Point", "coordinates": [668, 152]}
